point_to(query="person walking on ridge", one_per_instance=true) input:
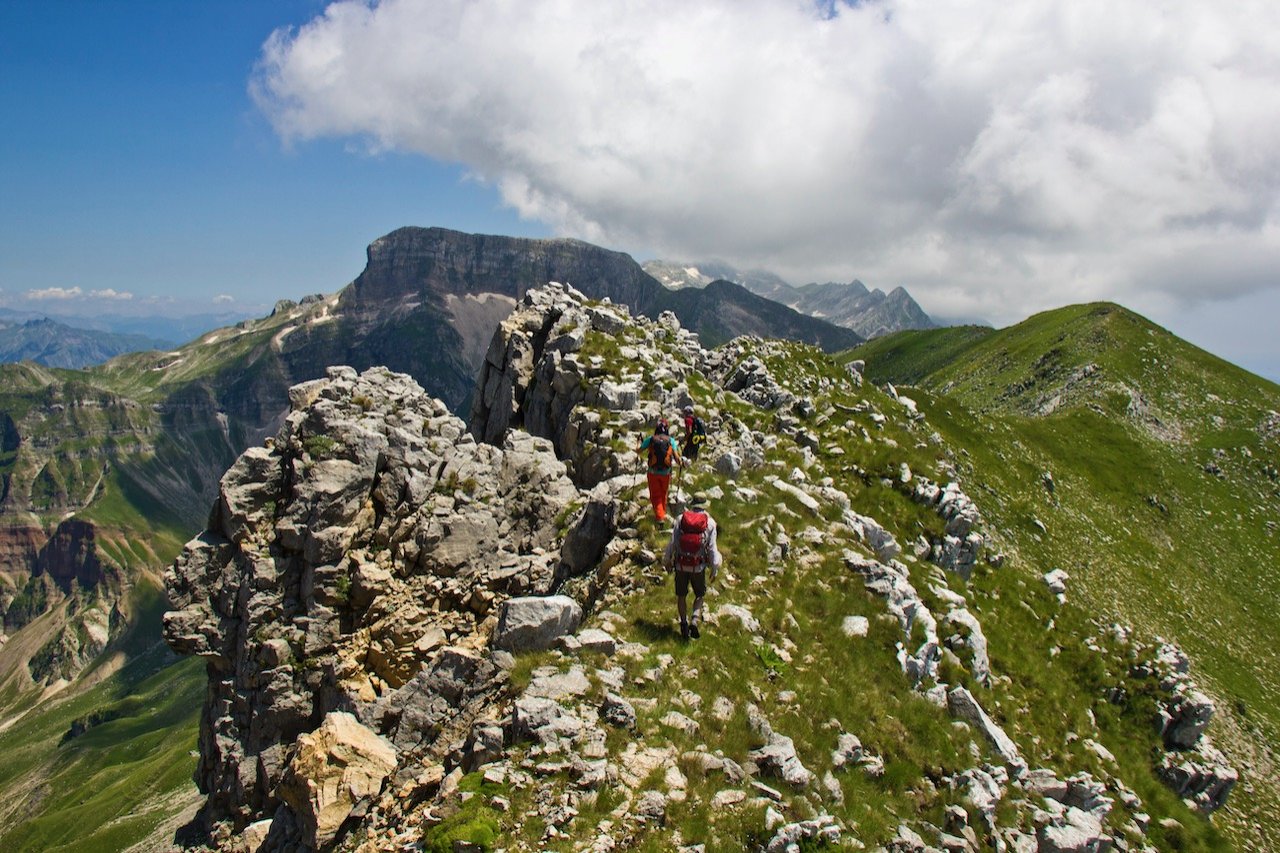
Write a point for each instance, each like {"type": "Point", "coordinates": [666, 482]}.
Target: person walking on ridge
{"type": "Point", "coordinates": [691, 550]}
{"type": "Point", "coordinates": [663, 452]}
{"type": "Point", "coordinates": [695, 434]}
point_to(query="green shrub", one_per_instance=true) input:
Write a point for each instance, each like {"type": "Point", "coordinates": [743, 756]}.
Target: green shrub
{"type": "Point", "coordinates": [319, 446]}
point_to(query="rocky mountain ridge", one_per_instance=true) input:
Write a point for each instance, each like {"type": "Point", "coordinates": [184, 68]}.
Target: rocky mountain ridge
{"type": "Point", "coordinates": [419, 632]}
{"type": "Point", "coordinates": [147, 436]}
{"type": "Point", "coordinates": [870, 313]}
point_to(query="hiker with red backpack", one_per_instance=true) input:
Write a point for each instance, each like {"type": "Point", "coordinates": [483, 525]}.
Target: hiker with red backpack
{"type": "Point", "coordinates": [663, 453]}
{"type": "Point", "coordinates": [691, 550]}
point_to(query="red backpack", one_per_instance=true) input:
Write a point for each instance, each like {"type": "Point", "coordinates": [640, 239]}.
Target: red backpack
{"type": "Point", "coordinates": [692, 544]}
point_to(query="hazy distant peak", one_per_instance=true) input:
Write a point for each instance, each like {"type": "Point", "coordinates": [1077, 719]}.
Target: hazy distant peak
{"type": "Point", "coordinates": [870, 313]}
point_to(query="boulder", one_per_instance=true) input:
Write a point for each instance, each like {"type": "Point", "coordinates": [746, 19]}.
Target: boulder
{"type": "Point", "coordinates": [533, 623]}
{"type": "Point", "coordinates": [728, 464]}
{"type": "Point", "coordinates": [1189, 715]}
{"type": "Point", "coordinates": [336, 767]}
{"type": "Point", "coordinates": [618, 712]}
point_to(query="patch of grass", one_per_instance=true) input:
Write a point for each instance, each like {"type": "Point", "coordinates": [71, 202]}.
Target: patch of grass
{"type": "Point", "coordinates": [319, 446]}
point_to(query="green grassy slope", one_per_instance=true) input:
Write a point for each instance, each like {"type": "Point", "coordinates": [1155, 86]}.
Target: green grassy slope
{"type": "Point", "coordinates": [101, 769]}
{"type": "Point", "coordinates": [1164, 503]}
{"type": "Point", "coordinates": [916, 353]}
{"type": "Point", "coordinates": [1053, 666]}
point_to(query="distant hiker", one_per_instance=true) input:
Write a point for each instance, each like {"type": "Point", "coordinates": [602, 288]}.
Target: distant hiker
{"type": "Point", "coordinates": [695, 434]}
{"type": "Point", "coordinates": [663, 452]}
{"type": "Point", "coordinates": [692, 548]}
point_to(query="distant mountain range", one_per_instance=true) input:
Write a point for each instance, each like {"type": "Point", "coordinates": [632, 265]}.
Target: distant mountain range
{"type": "Point", "coordinates": [160, 330]}
{"type": "Point", "coordinates": [870, 313]}
{"type": "Point", "coordinates": [55, 344]}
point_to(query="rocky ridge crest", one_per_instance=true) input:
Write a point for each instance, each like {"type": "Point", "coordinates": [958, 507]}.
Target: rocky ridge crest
{"type": "Point", "coordinates": [368, 575]}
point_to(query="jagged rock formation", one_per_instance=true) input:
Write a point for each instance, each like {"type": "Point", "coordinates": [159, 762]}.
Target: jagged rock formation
{"type": "Point", "coordinates": [356, 564]}
{"type": "Point", "coordinates": [162, 427]}
{"type": "Point", "coordinates": [1192, 765]}
{"type": "Point", "coordinates": [381, 559]}
{"type": "Point", "coordinates": [870, 313]}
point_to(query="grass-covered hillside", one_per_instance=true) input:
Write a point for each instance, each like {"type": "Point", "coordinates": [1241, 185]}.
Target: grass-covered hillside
{"type": "Point", "coordinates": [106, 473]}
{"type": "Point", "coordinates": [1145, 468]}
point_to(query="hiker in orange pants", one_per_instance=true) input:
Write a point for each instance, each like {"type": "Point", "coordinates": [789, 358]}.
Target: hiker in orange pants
{"type": "Point", "coordinates": [663, 453]}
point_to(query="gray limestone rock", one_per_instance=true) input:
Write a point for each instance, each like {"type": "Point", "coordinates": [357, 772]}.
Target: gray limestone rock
{"type": "Point", "coordinates": [618, 712]}
{"type": "Point", "coordinates": [533, 623]}
{"type": "Point", "coordinates": [963, 706]}
{"type": "Point", "coordinates": [590, 533]}
{"type": "Point", "coordinates": [1189, 715]}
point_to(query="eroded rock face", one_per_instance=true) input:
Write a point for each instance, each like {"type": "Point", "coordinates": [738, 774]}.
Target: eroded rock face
{"type": "Point", "coordinates": [357, 564]}
{"type": "Point", "coordinates": [537, 377]}
{"type": "Point", "coordinates": [335, 767]}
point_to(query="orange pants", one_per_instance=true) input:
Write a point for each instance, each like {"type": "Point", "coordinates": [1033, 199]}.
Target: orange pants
{"type": "Point", "coordinates": [658, 484]}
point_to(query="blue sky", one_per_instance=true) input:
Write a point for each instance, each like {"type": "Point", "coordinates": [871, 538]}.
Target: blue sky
{"type": "Point", "coordinates": [134, 160]}
{"type": "Point", "coordinates": [993, 164]}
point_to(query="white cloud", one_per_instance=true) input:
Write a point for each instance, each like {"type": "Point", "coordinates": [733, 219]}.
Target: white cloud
{"type": "Point", "coordinates": [110, 293]}
{"type": "Point", "coordinates": [993, 158]}
{"type": "Point", "coordinates": [55, 293]}
{"type": "Point", "coordinates": [223, 299]}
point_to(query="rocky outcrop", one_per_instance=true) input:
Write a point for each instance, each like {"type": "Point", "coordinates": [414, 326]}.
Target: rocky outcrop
{"type": "Point", "coordinates": [892, 583]}
{"type": "Point", "coordinates": [335, 768]}
{"type": "Point", "coordinates": [963, 706]}
{"type": "Point", "coordinates": [357, 563]}
{"type": "Point", "coordinates": [1192, 766]}
{"type": "Point", "coordinates": [534, 623]}
{"type": "Point", "coordinates": [537, 377]}
{"type": "Point", "coordinates": [959, 548]}
{"type": "Point", "coordinates": [777, 757]}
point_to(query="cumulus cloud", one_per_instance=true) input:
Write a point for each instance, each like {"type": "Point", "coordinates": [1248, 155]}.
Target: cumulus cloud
{"type": "Point", "coordinates": [223, 299]}
{"type": "Point", "coordinates": [993, 158]}
{"type": "Point", "coordinates": [111, 293]}
{"type": "Point", "coordinates": [55, 293]}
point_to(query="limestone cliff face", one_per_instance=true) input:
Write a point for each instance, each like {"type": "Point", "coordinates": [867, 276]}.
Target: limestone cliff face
{"type": "Point", "coordinates": [411, 263]}
{"type": "Point", "coordinates": [415, 268]}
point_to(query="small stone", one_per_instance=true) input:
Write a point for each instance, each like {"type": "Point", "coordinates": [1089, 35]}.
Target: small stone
{"type": "Point", "coordinates": [728, 797]}
{"type": "Point", "coordinates": [855, 626]}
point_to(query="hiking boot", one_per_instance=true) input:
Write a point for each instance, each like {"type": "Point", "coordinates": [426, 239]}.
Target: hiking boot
{"type": "Point", "coordinates": [694, 632]}
{"type": "Point", "coordinates": [684, 631]}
